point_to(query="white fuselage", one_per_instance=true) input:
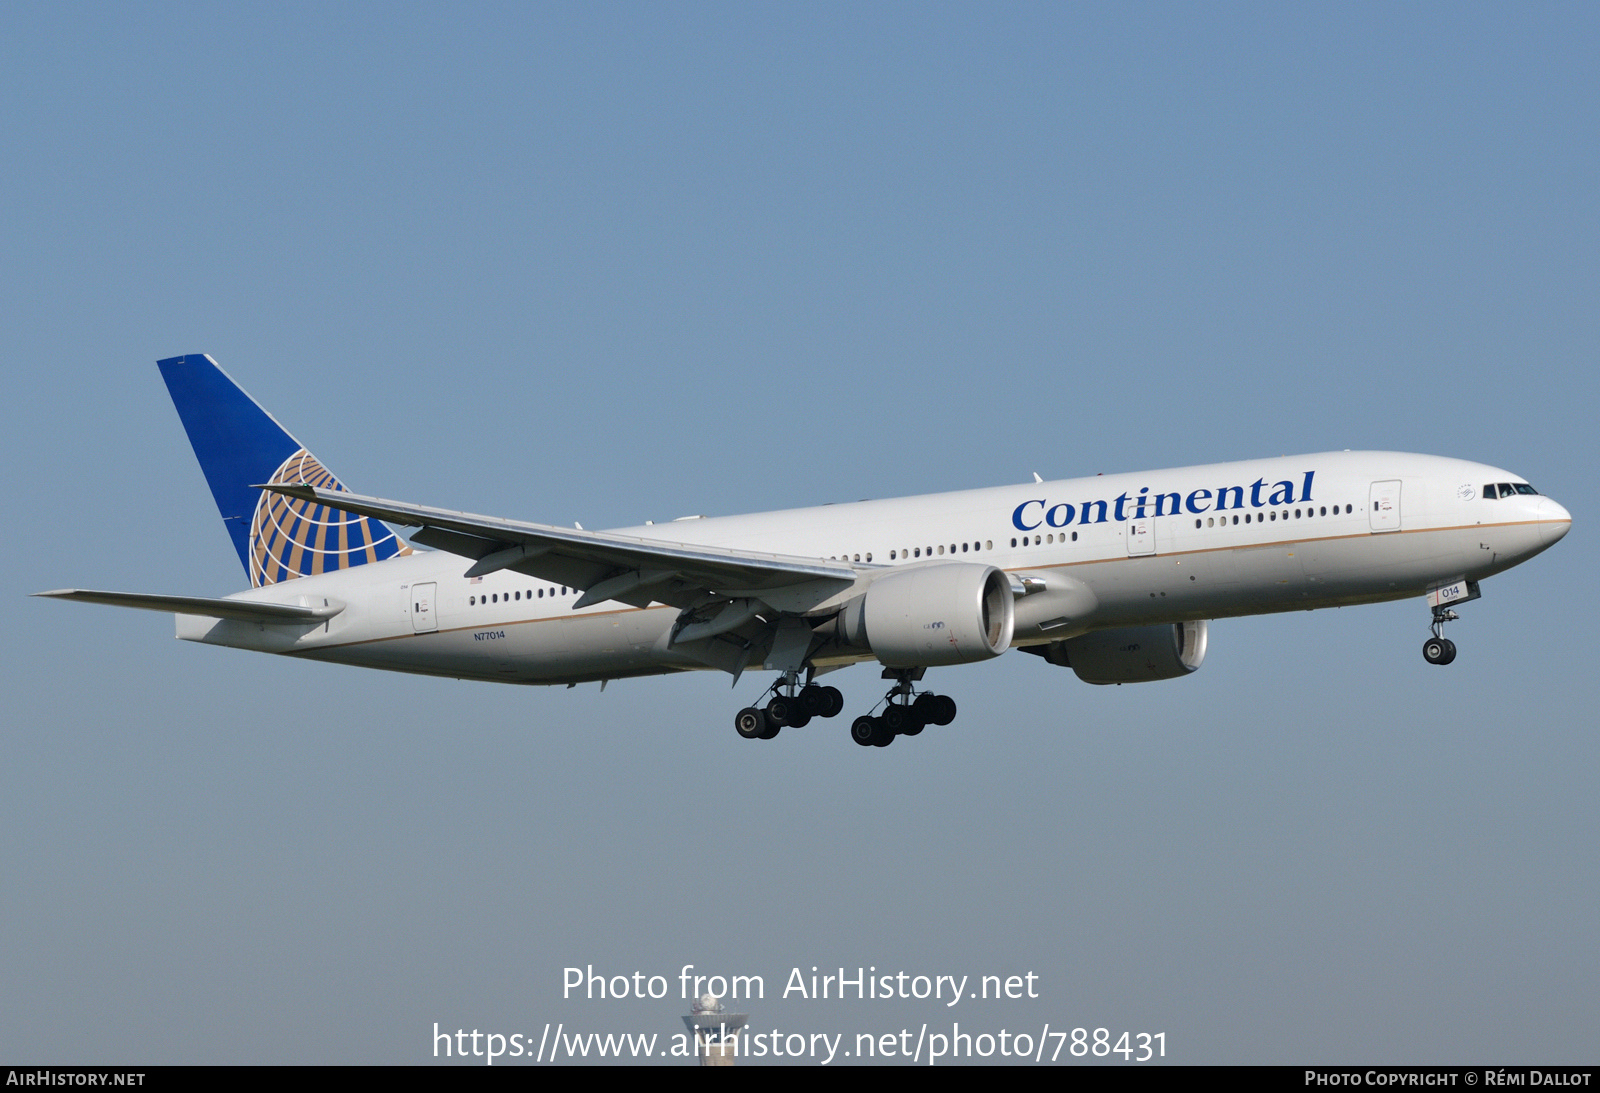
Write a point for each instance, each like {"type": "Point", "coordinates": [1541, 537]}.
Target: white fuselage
{"type": "Point", "coordinates": [1290, 533]}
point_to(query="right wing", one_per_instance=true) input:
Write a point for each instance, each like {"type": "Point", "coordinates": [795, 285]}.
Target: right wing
{"type": "Point", "coordinates": [734, 605]}
{"type": "Point", "coordinates": [604, 565]}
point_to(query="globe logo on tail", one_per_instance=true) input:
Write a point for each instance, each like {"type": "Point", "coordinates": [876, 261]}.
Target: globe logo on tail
{"type": "Point", "coordinates": [292, 538]}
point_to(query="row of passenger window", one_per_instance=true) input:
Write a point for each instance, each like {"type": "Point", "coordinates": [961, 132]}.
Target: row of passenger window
{"type": "Point", "coordinates": [918, 552]}
{"type": "Point", "coordinates": [971, 547]}
{"type": "Point", "coordinates": [1222, 521]}
{"type": "Point", "coordinates": [497, 597]}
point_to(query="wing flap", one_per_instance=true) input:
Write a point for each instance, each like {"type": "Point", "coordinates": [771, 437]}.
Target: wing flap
{"type": "Point", "coordinates": [453, 542]}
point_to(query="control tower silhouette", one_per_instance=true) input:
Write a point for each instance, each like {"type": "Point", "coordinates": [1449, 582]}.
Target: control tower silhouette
{"type": "Point", "coordinates": [715, 1031]}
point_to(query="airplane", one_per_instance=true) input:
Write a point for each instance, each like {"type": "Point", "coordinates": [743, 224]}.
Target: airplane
{"type": "Point", "coordinates": [1114, 576]}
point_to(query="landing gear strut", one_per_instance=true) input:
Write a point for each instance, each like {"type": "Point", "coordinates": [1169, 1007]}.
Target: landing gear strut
{"type": "Point", "coordinates": [1440, 649]}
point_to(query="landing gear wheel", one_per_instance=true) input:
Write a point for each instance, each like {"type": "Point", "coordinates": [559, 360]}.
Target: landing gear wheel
{"type": "Point", "coordinates": [1449, 650]}
{"type": "Point", "coordinates": [946, 711]}
{"type": "Point", "coordinates": [864, 730]}
{"type": "Point", "coordinates": [799, 720]}
{"type": "Point", "coordinates": [883, 735]}
{"type": "Point", "coordinates": [915, 725]}
{"type": "Point", "coordinates": [835, 704]}
{"type": "Point", "coordinates": [751, 723]}
{"type": "Point", "coordinates": [897, 719]}
{"type": "Point", "coordinates": [811, 701]}
{"type": "Point", "coordinates": [781, 710]}
{"type": "Point", "coordinates": [773, 728]}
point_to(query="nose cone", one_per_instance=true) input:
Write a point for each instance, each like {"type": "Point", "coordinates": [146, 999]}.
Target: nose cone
{"type": "Point", "coordinates": [1555, 521]}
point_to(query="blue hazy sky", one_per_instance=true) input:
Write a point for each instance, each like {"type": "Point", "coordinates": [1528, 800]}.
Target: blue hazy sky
{"type": "Point", "coordinates": [616, 263]}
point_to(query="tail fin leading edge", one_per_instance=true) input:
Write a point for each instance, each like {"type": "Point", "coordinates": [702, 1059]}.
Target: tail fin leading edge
{"type": "Point", "coordinates": [239, 445]}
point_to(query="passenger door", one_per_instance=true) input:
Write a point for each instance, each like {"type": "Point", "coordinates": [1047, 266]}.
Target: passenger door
{"type": "Point", "coordinates": [1141, 536]}
{"type": "Point", "coordinates": [1383, 509]}
{"type": "Point", "coordinates": [422, 608]}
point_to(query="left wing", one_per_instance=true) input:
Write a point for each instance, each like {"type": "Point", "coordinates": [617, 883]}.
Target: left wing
{"type": "Point", "coordinates": [205, 606]}
{"type": "Point", "coordinates": [605, 566]}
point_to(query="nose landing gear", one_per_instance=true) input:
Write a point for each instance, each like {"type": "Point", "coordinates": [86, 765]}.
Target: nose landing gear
{"type": "Point", "coordinates": [1440, 649]}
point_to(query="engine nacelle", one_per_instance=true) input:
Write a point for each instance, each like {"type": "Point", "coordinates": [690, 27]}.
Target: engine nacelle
{"type": "Point", "coordinates": [933, 615]}
{"type": "Point", "coordinates": [1132, 654]}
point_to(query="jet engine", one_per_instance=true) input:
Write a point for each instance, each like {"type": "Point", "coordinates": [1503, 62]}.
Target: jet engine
{"type": "Point", "coordinates": [929, 616]}
{"type": "Point", "coordinates": [1131, 654]}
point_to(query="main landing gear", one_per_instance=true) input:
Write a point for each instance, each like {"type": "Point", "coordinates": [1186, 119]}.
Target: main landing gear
{"type": "Point", "coordinates": [902, 714]}
{"type": "Point", "coordinates": [790, 705]}
{"type": "Point", "coordinates": [1440, 649]}
{"type": "Point", "coordinates": [905, 712]}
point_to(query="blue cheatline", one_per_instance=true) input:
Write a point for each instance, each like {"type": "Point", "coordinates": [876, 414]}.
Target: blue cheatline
{"type": "Point", "coordinates": [239, 445]}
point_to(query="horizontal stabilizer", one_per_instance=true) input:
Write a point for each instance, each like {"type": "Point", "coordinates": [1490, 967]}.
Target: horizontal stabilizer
{"type": "Point", "coordinates": [206, 606]}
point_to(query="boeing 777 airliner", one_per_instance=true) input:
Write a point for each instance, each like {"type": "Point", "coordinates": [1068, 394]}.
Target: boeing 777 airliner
{"type": "Point", "coordinates": [1112, 576]}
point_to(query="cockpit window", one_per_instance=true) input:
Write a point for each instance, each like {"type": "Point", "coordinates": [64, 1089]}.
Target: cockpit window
{"type": "Point", "coordinates": [1523, 487]}
{"type": "Point", "coordinates": [1491, 492]}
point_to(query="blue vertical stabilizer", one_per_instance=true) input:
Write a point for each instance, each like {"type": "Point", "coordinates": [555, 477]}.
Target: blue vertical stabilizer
{"type": "Point", "coordinates": [239, 446]}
